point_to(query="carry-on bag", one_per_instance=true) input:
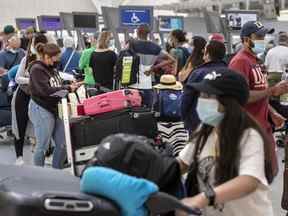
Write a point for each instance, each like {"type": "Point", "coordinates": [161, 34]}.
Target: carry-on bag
{"type": "Point", "coordinates": [112, 101]}
{"type": "Point", "coordinates": [37, 191]}
{"type": "Point", "coordinates": [87, 132]}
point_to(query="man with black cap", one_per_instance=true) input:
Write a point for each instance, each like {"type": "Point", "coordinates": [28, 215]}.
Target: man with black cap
{"type": "Point", "coordinates": [248, 64]}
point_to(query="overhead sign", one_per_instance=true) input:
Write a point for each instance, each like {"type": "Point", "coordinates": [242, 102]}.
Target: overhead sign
{"type": "Point", "coordinates": [169, 23]}
{"type": "Point", "coordinates": [133, 16]}
{"type": "Point", "coordinates": [87, 21]}
{"type": "Point", "coordinates": [50, 23]}
{"type": "Point", "coordinates": [24, 23]}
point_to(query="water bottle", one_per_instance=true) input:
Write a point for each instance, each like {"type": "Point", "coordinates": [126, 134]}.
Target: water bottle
{"type": "Point", "coordinates": [284, 97]}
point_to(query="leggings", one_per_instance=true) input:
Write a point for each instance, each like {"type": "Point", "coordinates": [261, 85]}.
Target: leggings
{"type": "Point", "coordinates": [21, 109]}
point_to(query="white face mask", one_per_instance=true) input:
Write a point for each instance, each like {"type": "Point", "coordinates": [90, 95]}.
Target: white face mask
{"type": "Point", "coordinates": [208, 113]}
{"type": "Point", "coordinates": [33, 50]}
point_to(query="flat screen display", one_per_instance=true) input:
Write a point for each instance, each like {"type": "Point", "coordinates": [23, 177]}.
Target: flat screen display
{"type": "Point", "coordinates": [131, 17]}
{"type": "Point", "coordinates": [236, 19]}
{"type": "Point", "coordinates": [50, 23]}
{"type": "Point", "coordinates": [167, 23]}
{"type": "Point", "coordinates": [24, 23]}
{"type": "Point", "coordinates": [85, 21]}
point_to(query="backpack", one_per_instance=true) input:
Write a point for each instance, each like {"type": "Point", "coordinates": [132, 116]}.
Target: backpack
{"type": "Point", "coordinates": [168, 104]}
{"type": "Point", "coordinates": [134, 155]}
{"type": "Point", "coordinates": [127, 67]}
{"type": "Point", "coordinates": [186, 55]}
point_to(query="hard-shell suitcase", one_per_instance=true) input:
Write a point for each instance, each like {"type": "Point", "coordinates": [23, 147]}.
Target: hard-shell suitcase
{"type": "Point", "coordinates": [45, 192]}
{"type": "Point", "coordinates": [87, 132]}
{"type": "Point", "coordinates": [112, 101]}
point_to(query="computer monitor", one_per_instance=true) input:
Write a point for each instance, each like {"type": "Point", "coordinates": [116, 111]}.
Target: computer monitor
{"type": "Point", "coordinates": [169, 23]}
{"type": "Point", "coordinates": [237, 18]}
{"type": "Point", "coordinates": [67, 20]}
{"type": "Point", "coordinates": [133, 16]}
{"type": "Point", "coordinates": [24, 23]}
{"type": "Point", "coordinates": [85, 20]}
{"type": "Point", "coordinates": [50, 23]}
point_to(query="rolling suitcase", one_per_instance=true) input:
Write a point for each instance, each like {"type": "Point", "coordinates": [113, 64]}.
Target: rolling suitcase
{"type": "Point", "coordinates": [87, 132]}
{"type": "Point", "coordinates": [112, 101]}
{"type": "Point", "coordinates": [83, 134]}
{"type": "Point", "coordinates": [37, 191]}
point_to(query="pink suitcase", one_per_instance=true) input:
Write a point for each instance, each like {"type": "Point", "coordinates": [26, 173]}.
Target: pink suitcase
{"type": "Point", "coordinates": [112, 101]}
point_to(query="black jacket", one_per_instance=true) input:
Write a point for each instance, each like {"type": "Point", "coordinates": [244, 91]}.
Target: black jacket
{"type": "Point", "coordinates": [46, 86]}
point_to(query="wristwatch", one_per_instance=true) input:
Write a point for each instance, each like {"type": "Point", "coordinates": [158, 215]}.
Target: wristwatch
{"type": "Point", "coordinates": [210, 195]}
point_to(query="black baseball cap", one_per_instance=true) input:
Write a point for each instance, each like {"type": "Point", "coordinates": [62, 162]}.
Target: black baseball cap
{"type": "Point", "coordinates": [224, 82]}
{"type": "Point", "coordinates": [256, 27]}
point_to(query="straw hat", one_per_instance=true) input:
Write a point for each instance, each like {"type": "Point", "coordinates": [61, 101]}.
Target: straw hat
{"type": "Point", "coordinates": [169, 82]}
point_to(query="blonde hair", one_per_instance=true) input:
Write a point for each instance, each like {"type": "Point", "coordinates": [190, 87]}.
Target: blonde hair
{"type": "Point", "coordinates": [103, 40]}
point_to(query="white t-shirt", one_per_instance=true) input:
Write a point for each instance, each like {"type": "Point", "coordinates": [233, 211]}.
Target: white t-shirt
{"type": "Point", "coordinates": [277, 59]}
{"type": "Point", "coordinates": [251, 164]}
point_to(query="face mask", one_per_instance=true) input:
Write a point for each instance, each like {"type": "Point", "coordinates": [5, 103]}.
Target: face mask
{"type": "Point", "coordinates": [259, 46]}
{"type": "Point", "coordinates": [208, 113]}
{"type": "Point", "coordinates": [33, 50]}
{"type": "Point", "coordinates": [56, 64]}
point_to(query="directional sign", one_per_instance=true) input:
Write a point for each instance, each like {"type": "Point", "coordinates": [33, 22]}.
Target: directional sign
{"type": "Point", "coordinates": [133, 16]}
{"type": "Point", "coordinates": [50, 23]}
{"type": "Point", "coordinates": [24, 23]}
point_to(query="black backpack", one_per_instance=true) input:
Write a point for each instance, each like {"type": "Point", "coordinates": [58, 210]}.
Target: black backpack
{"type": "Point", "coordinates": [135, 156]}
{"type": "Point", "coordinates": [127, 67]}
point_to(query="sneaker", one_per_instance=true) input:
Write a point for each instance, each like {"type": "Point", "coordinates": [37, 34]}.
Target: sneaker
{"type": "Point", "coordinates": [19, 161]}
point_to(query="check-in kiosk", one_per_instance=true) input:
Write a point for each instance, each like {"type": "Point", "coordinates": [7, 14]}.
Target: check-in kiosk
{"type": "Point", "coordinates": [24, 23]}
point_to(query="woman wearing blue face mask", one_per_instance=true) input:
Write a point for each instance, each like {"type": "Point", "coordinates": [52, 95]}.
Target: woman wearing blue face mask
{"type": "Point", "coordinates": [227, 155]}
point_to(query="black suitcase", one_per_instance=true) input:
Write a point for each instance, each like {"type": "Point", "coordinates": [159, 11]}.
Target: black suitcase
{"type": "Point", "coordinates": [87, 132]}
{"type": "Point", "coordinates": [30, 191]}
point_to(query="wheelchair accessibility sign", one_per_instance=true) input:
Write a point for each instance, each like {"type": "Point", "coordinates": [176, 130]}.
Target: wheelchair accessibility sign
{"type": "Point", "coordinates": [131, 17]}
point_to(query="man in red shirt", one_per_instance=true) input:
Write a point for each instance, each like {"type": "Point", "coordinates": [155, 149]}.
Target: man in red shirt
{"type": "Point", "coordinates": [246, 62]}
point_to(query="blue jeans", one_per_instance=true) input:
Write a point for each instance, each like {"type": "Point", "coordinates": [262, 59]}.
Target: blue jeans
{"type": "Point", "coordinates": [47, 127]}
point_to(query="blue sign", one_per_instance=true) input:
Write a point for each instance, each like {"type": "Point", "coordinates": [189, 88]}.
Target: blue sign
{"type": "Point", "coordinates": [24, 23]}
{"type": "Point", "coordinates": [50, 23]}
{"type": "Point", "coordinates": [131, 17]}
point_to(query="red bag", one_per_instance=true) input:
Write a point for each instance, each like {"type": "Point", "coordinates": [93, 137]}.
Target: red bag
{"type": "Point", "coordinates": [112, 101]}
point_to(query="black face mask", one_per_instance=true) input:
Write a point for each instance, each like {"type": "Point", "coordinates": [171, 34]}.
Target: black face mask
{"type": "Point", "coordinates": [55, 64]}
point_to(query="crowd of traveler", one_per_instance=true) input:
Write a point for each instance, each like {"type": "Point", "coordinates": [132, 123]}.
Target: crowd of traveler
{"type": "Point", "coordinates": [228, 108]}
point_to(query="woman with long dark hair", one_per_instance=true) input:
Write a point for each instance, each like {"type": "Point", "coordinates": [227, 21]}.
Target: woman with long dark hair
{"type": "Point", "coordinates": [21, 96]}
{"type": "Point", "coordinates": [195, 59]}
{"type": "Point", "coordinates": [47, 89]}
{"type": "Point", "coordinates": [231, 168]}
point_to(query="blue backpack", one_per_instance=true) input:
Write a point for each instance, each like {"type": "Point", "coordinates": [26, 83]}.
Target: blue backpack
{"type": "Point", "coordinates": [168, 104]}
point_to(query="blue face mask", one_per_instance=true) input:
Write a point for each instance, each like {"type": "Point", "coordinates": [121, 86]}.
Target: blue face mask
{"type": "Point", "coordinates": [259, 46]}
{"type": "Point", "coordinates": [208, 113]}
